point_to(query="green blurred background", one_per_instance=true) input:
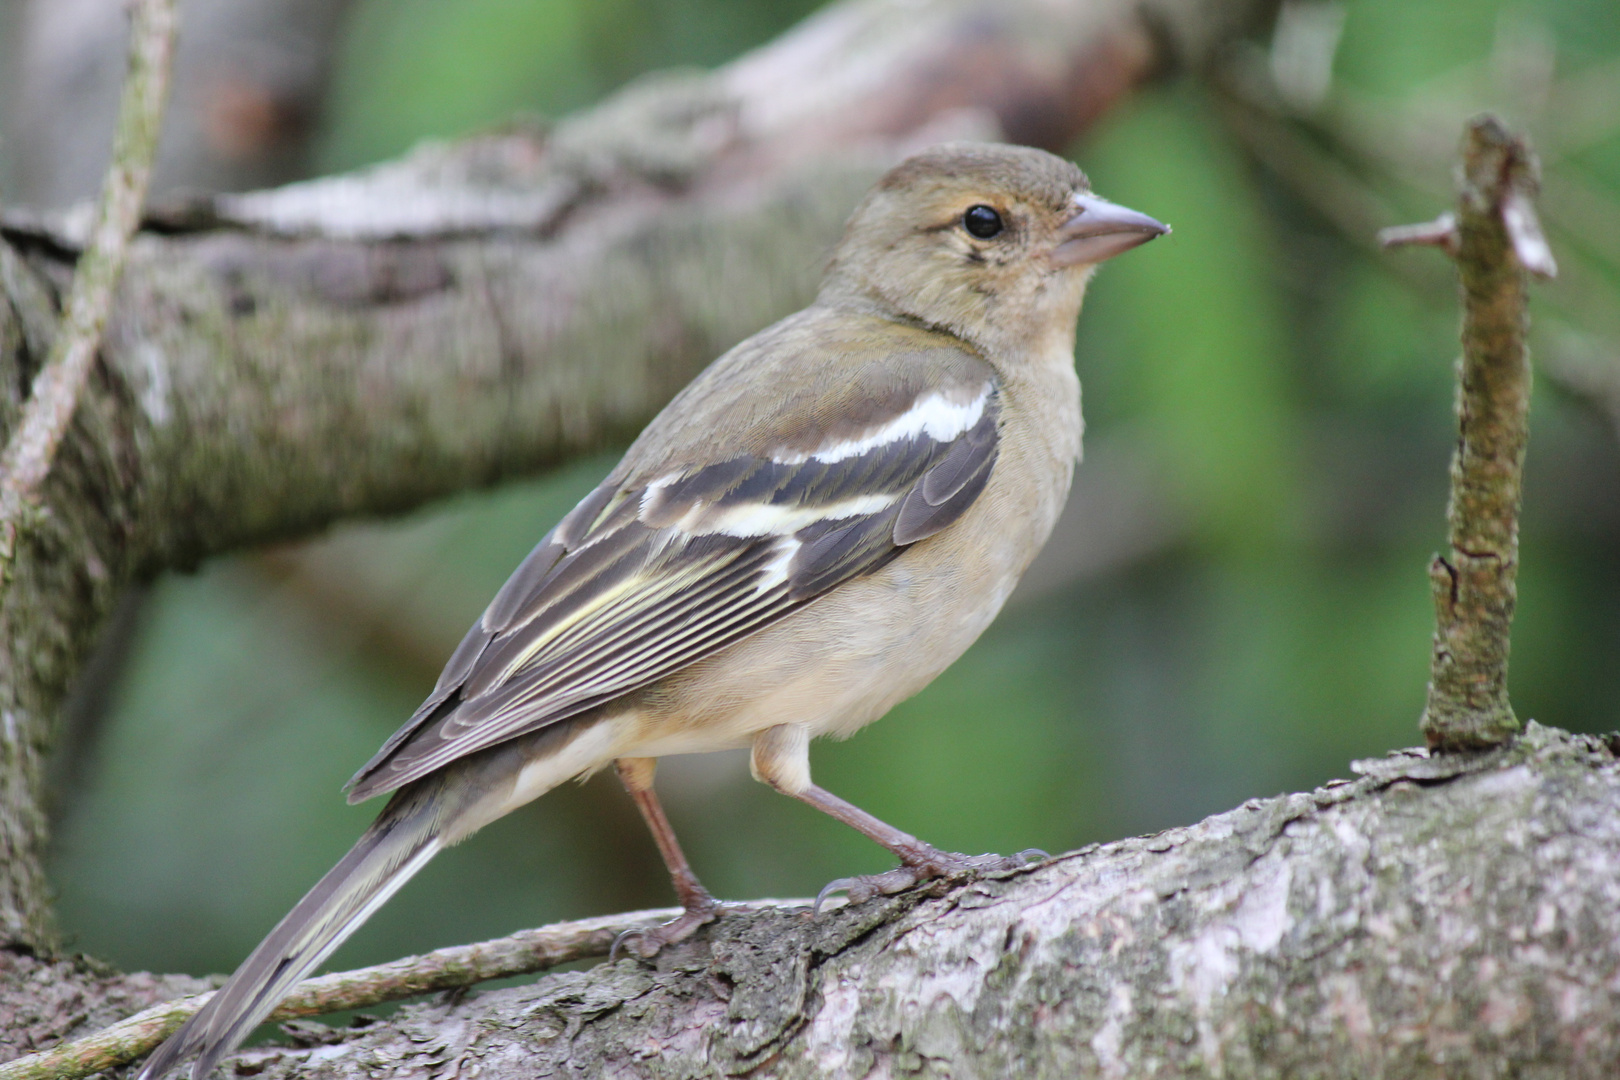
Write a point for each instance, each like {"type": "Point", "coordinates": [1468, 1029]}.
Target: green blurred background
{"type": "Point", "coordinates": [1285, 391]}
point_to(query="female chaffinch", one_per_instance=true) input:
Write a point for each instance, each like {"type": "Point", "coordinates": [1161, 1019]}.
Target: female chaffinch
{"type": "Point", "coordinates": [809, 533]}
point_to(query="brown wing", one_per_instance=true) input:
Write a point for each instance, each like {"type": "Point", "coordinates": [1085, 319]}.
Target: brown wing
{"type": "Point", "coordinates": [642, 579]}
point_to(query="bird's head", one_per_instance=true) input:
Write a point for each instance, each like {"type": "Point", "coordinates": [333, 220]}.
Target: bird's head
{"type": "Point", "coordinates": [992, 243]}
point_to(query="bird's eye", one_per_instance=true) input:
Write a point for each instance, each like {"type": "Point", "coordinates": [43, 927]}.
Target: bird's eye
{"type": "Point", "coordinates": [981, 221]}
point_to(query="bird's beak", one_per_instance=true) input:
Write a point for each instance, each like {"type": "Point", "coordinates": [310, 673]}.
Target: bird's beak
{"type": "Point", "coordinates": [1100, 230]}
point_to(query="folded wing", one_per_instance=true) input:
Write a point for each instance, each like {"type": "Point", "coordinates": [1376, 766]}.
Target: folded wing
{"type": "Point", "coordinates": [643, 578]}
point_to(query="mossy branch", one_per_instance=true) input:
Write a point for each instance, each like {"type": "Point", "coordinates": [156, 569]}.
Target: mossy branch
{"type": "Point", "coordinates": [1496, 240]}
{"type": "Point", "coordinates": [55, 393]}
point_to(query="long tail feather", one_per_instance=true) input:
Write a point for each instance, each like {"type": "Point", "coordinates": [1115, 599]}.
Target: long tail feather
{"type": "Point", "coordinates": [399, 843]}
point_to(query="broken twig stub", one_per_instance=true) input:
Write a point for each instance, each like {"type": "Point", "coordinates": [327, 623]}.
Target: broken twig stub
{"type": "Point", "coordinates": [1496, 240]}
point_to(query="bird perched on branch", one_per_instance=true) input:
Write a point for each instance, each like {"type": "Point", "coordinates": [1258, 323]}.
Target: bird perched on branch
{"type": "Point", "coordinates": [809, 533]}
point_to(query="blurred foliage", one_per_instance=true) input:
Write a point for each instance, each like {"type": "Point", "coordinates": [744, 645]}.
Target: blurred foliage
{"type": "Point", "coordinates": [1295, 387]}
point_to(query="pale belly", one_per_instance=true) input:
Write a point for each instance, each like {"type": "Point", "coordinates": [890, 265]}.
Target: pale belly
{"type": "Point", "coordinates": [849, 657]}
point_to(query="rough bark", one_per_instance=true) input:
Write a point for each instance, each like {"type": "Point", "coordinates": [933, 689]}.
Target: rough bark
{"type": "Point", "coordinates": [1451, 916]}
{"type": "Point", "coordinates": [41, 425]}
{"type": "Point", "coordinates": [362, 345]}
{"type": "Point", "coordinates": [133, 1037]}
{"type": "Point", "coordinates": [54, 394]}
{"type": "Point", "coordinates": [1496, 240]}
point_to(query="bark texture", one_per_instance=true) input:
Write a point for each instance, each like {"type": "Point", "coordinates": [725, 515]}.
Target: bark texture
{"type": "Point", "coordinates": [36, 431]}
{"type": "Point", "coordinates": [1417, 922]}
{"type": "Point", "coordinates": [132, 1038]}
{"type": "Point", "coordinates": [1448, 916]}
{"type": "Point", "coordinates": [1476, 587]}
{"type": "Point", "coordinates": [363, 344]}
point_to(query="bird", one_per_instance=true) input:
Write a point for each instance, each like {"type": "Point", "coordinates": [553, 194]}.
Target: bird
{"type": "Point", "coordinates": [807, 534]}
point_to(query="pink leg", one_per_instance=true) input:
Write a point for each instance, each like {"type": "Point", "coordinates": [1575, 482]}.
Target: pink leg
{"type": "Point", "coordinates": [701, 907]}
{"type": "Point", "coordinates": [919, 861]}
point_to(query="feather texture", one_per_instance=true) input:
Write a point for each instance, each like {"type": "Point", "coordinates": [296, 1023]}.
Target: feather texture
{"type": "Point", "coordinates": [661, 566]}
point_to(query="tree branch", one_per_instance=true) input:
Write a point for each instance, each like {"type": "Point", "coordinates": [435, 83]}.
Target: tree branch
{"type": "Point", "coordinates": [37, 433]}
{"type": "Point", "coordinates": [1495, 239]}
{"type": "Point", "coordinates": [1442, 915]}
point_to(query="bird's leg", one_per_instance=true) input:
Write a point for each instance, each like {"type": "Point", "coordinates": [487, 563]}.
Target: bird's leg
{"type": "Point", "coordinates": [919, 861]}
{"type": "Point", "coordinates": [701, 907]}
{"type": "Point", "coordinates": [781, 758]}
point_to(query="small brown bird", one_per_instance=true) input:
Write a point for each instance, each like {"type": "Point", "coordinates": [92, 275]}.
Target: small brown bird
{"type": "Point", "coordinates": [816, 527]}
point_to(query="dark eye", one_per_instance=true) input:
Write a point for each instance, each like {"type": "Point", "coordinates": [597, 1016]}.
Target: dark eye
{"type": "Point", "coordinates": [981, 221]}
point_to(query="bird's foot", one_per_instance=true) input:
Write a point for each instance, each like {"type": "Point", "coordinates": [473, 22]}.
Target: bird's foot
{"type": "Point", "coordinates": [646, 944]}
{"type": "Point", "coordinates": [923, 865]}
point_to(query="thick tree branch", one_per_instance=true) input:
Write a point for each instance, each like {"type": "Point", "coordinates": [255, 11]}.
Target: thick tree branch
{"type": "Point", "coordinates": [1454, 915]}
{"type": "Point", "coordinates": [523, 953]}
{"type": "Point", "coordinates": [275, 364]}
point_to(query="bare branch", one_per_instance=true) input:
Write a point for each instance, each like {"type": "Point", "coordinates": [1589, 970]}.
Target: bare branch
{"type": "Point", "coordinates": [1440, 233]}
{"type": "Point", "coordinates": [1495, 239]}
{"type": "Point", "coordinates": [1442, 915]}
{"type": "Point", "coordinates": [55, 397]}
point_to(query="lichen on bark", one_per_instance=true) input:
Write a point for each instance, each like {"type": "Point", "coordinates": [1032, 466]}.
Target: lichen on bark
{"type": "Point", "coordinates": [1475, 584]}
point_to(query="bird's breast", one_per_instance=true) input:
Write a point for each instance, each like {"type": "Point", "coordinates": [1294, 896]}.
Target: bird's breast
{"type": "Point", "coordinates": [848, 657]}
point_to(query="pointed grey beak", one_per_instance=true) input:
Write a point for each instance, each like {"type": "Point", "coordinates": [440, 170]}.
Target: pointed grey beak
{"type": "Point", "coordinates": [1100, 230]}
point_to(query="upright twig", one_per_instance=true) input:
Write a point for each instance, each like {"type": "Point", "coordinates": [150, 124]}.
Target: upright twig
{"type": "Point", "coordinates": [55, 393]}
{"type": "Point", "coordinates": [1495, 239]}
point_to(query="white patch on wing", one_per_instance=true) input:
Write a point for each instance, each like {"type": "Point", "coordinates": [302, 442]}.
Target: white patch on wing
{"type": "Point", "coordinates": [770, 519]}
{"type": "Point", "coordinates": [934, 415]}
{"type": "Point", "coordinates": [775, 572]}
{"type": "Point", "coordinates": [704, 518]}
{"type": "Point", "coordinates": [649, 494]}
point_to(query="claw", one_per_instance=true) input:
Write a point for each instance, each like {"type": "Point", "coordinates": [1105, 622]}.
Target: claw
{"type": "Point", "coordinates": [655, 938]}
{"type": "Point", "coordinates": [863, 888]}
{"type": "Point", "coordinates": [835, 885]}
{"type": "Point", "coordinates": [618, 942]}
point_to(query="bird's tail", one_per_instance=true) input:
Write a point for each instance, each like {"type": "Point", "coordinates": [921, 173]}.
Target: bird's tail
{"type": "Point", "coordinates": [408, 833]}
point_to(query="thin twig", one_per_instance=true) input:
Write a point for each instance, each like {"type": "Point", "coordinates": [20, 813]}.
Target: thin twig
{"type": "Point", "coordinates": [55, 395]}
{"type": "Point", "coordinates": [1440, 233]}
{"type": "Point", "coordinates": [523, 953]}
{"type": "Point", "coordinates": [1495, 239]}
